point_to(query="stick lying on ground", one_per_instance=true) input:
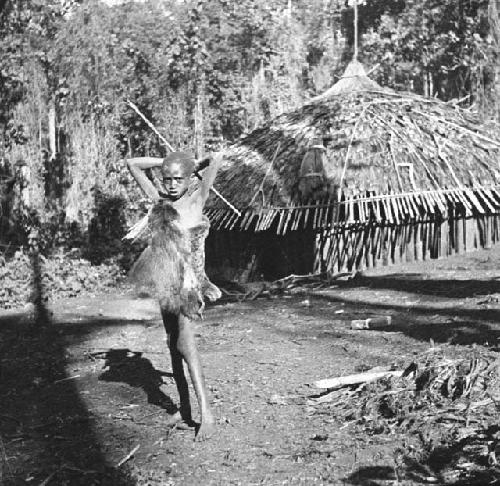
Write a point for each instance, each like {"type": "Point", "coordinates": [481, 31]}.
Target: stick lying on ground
{"type": "Point", "coordinates": [365, 377]}
{"type": "Point", "coordinates": [128, 456]}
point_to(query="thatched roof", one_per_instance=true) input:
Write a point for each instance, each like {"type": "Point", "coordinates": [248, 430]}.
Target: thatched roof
{"type": "Point", "coordinates": [380, 143]}
{"type": "Point", "coordinates": [354, 79]}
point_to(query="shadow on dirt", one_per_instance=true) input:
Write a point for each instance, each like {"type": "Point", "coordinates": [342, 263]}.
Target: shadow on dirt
{"type": "Point", "coordinates": [419, 284]}
{"type": "Point", "coordinates": [450, 325]}
{"type": "Point", "coordinates": [46, 429]}
{"type": "Point", "coordinates": [370, 475]}
{"type": "Point", "coordinates": [132, 368]}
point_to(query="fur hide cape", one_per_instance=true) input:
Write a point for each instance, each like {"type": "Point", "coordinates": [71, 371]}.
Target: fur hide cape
{"type": "Point", "coordinates": [165, 267]}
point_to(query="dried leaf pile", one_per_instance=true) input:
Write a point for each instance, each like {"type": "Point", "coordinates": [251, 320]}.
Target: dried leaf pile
{"type": "Point", "coordinates": [447, 399]}
{"type": "Point", "coordinates": [291, 285]}
{"type": "Point", "coordinates": [434, 388]}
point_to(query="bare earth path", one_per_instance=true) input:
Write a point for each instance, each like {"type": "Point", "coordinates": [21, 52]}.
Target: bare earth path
{"type": "Point", "coordinates": [78, 397]}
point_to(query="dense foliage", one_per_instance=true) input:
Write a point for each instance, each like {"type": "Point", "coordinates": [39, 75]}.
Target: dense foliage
{"type": "Point", "coordinates": [435, 48]}
{"type": "Point", "coordinates": [61, 277]}
{"type": "Point", "coordinates": [205, 72]}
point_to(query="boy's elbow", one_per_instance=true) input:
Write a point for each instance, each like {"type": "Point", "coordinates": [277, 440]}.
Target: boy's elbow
{"type": "Point", "coordinates": [132, 165]}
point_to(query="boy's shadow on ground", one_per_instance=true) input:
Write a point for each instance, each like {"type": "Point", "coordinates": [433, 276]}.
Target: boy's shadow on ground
{"type": "Point", "coordinates": [131, 367]}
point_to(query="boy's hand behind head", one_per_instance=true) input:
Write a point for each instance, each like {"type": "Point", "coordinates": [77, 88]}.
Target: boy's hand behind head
{"type": "Point", "coordinates": [203, 164]}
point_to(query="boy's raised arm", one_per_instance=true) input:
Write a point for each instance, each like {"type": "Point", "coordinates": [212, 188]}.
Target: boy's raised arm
{"type": "Point", "coordinates": [209, 174]}
{"type": "Point", "coordinates": [137, 166]}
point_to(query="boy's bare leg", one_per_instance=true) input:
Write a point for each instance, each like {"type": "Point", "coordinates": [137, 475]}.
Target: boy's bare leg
{"type": "Point", "coordinates": [170, 321]}
{"type": "Point", "coordinates": [183, 347]}
{"type": "Point", "coordinates": [187, 347]}
{"type": "Point", "coordinates": [184, 413]}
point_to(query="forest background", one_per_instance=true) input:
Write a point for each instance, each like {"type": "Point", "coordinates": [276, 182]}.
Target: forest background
{"type": "Point", "coordinates": [205, 72]}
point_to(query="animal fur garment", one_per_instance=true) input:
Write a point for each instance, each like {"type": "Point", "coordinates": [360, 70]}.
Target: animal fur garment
{"type": "Point", "coordinates": [198, 235]}
{"type": "Point", "coordinates": [165, 266]}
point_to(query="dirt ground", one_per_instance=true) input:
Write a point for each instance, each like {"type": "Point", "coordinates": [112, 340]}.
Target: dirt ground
{"type": "Point", "coordinates": [78, 396]}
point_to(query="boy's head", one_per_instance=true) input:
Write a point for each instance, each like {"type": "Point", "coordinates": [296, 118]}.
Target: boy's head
{"type": "Point", "coordinates": [176, 171]}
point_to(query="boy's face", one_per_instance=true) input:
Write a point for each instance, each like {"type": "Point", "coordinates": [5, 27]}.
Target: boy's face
{"type": "Point", "coordinates": [175, 180]}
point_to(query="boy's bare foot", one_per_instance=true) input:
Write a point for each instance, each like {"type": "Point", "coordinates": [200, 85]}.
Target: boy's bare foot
{"type": "Point", "coordinates": [205, 431]}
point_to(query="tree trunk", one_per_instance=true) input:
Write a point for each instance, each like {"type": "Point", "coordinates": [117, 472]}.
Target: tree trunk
{"type": "Point", "coordinates": [199, 132]}
{"type": "Point", "coordinates": [494, 21]}
{"type": "Point", "coordinates": [52, 130]}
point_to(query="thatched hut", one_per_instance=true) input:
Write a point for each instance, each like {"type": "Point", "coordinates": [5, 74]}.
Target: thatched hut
{"type": "Point", "coordinates": [357, 177]}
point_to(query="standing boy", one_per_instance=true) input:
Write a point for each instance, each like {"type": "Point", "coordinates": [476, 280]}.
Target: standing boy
{"type": "Point", "coordinates": [177, 226]}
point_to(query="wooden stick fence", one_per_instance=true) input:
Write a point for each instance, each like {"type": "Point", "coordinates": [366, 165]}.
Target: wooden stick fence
{"type": "Point", "coordinates": [375, 230]}
{"type": "Point", "coordinates": [356, 247]}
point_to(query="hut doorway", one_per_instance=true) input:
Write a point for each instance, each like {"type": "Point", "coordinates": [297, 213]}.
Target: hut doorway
{"type": "Point", "coordinates": [246, 256]}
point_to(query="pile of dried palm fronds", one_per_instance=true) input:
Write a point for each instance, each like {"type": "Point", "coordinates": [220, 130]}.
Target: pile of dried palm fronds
{"type": "Point", "coordinates": [445, 406]}
{"type": "Point", "coordinates": [435, 388]}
